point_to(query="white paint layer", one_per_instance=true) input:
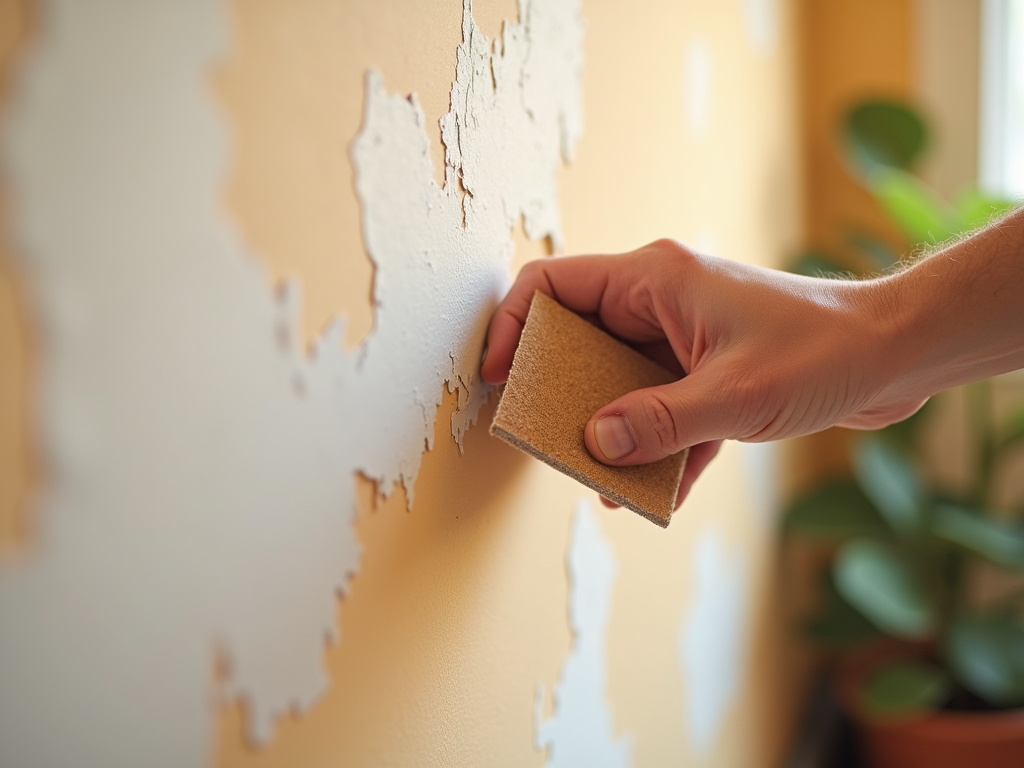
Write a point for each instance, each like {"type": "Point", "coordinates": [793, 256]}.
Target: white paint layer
{"type": "Point", "coordinates": [581, 731]}
{"type": "Point", "coordinates": [199, 486]}
{"type": "Point", "coordinates": [762, 17]}
{"type": "Point", "coordinates": [712, 640]}
{"type": "Point", "coordinates": [762, 470]}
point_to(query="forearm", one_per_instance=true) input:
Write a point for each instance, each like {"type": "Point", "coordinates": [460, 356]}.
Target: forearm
{"type": "Point", "coordinates": [958, 315]}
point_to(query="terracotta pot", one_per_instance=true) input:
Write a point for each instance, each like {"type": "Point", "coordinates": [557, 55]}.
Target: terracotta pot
{"type": "Point", "coordinates": [938, 739]}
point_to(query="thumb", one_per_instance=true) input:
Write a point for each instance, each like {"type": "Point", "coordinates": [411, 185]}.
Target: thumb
{"type": "Point", "coordinates": [650, 424]}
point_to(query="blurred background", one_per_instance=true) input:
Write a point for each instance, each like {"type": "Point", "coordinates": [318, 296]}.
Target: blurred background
{"type": "Point", "coordinates": [918, 603]}
{"type": "Point", "coordinates": [839, 600]}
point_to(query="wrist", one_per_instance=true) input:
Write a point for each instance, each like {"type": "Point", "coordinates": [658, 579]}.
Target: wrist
{"type": "Point", "coordinates": [900, 344]}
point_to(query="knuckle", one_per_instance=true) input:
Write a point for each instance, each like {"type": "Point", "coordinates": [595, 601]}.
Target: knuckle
{"type": "Point", "coordinates": [670, 247]}
{"type": "Point", "coordinates": [669, 261]}
{"type": "Point", "coordinates": [531, 269]}
{"type": "Point", "coordinates": [673, 253]}
{"type": "Point", "coordinates": [663, 264]}
{"type": "Point", "coordinates": [660, 415]}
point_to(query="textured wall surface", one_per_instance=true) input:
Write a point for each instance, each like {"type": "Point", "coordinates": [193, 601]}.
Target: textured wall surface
{"type": "Point", "coordinates": [265, 299]}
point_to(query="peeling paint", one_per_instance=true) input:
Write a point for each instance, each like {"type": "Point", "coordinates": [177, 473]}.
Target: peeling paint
{"type": "Point", "coordinates": [762, 17]}
{"type": "Point", "coordinates": [712, 640]}
{"type": "Point", "coordinates": [581, 731]}
{"type": "Point", "coordinates": [200, 490]}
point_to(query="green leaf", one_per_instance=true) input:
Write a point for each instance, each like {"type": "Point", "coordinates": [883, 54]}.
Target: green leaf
{"type": "Point", "coordinates": [840, 631]}
{"type": "Point", "coordinates": [837, 624]}
{"type": "Point", "coordinates": [890, 482]}
{"type": "Point", "coordinates": [880, 582]}
{"type": "Point", "coordinates": [834, 511]}
{"type": "Point", "coordinates": [975, 209]}
{"type": "Point", "coordinates": [818, 264]}
{"type": "Point", "coordinates": [906, 686]}
{"type": "Point", "coordinates": [998, 542]}
{"type": "Point", "coordinates": [986, 653]}
{"type": "Point", "coordinates": [913, 207]}
{"type": "Point", "coordinates": [882, 134]}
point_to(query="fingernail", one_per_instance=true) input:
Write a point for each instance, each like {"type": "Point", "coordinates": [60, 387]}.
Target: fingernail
{"type": "Point", "coordinates": [614, 437]}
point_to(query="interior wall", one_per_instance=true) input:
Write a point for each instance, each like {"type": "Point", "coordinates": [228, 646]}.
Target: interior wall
{"type": "Point", "coordinates": [691, 135]}
{"type": "Point", "coordinates": [454, 631]}
{"type": "Point", "coordinates": [852, 49]}
{"type": "Point", "coordinates": [947, 81]}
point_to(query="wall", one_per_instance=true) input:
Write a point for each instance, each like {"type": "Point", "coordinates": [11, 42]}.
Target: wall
{"type": "Point", "coordinates": [851, 50]}
{"type": "Point", "coordinates": [947, 81]}
{"type": "Point", "coordinates": [464, 610]}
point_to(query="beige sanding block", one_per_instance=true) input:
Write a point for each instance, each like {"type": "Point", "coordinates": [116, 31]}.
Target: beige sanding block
{"type": "Point", "coordinates": [564, 370]}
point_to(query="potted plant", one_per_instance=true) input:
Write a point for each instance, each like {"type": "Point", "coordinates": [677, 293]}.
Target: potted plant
{"type": "Point", "coordinates": [932, 675]}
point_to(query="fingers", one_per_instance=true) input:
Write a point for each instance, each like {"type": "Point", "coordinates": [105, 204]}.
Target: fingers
{"type": "Point", "coordinates": [576, 282]}
{"type": "Point", "coordinates": [616, 290]}
{"type": "Point", "coordinates": [650, 424]}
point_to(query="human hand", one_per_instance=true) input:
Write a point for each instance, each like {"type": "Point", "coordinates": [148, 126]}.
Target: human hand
{"type": "Point", "coordinates": [767, 354]}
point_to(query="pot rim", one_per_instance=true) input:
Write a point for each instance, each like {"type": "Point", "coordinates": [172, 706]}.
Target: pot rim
{"type": "Point", "coordinates": [939, 725]}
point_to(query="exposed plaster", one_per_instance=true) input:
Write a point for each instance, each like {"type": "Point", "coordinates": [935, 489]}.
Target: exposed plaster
{"type": "Point", "coordinates": [762, 18]}
{"type": "Point", "coordinates": [581, 731]}
{"type": "Point", "coordinates": [200, 490]}
{"type": "Point", "coordinates": [712, 639]}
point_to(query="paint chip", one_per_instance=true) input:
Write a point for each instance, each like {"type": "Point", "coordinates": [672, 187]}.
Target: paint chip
{"type": "Point", "coordinates": [581, 730]}
{"type": "Point", "coordinates": [712, 639]}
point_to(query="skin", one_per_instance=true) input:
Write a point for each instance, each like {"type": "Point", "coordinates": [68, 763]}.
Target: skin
{"type": "Point", "coordinates": [769, 355]}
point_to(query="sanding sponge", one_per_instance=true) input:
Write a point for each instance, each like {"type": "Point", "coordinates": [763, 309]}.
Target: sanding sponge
{"type": "Point", "coordinates": [564, 370]}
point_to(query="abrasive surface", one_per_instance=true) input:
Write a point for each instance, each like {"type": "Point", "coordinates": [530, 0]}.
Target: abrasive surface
{"type": "Point", "coordinates": [564, 370]}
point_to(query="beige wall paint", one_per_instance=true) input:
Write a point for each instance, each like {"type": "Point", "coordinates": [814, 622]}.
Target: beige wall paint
{"type": "Point", "coordinates": [948, 35]}
{"type": "Point", "coordinates": [731, 188]}
{"type": "Point", "coordinates": [852, 49]}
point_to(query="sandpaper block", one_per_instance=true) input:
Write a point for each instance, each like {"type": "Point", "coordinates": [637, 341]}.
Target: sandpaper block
{"type": "Point", "coordinates": [564, 370]}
